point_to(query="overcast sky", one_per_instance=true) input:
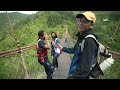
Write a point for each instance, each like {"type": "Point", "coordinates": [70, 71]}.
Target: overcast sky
{"type": "Point", "coordinates": [24, 12]}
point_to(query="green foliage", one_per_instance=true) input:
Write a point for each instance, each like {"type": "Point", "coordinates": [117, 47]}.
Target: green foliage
{"type": "Point", "coordinates": [54, 20]}
{"type": "Point", "coordinates": [10, 67]}
{"type": "Point", "coordinates": [7, 43]}
{"type": "Point", "coordinates": [15, 17]}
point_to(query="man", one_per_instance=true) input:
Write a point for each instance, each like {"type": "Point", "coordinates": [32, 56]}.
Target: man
{"type": "Point", "coordinates": [82, 61]}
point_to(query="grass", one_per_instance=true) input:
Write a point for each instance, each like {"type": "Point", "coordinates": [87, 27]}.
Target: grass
{"type": "Point", "coordinates": [10, 67]}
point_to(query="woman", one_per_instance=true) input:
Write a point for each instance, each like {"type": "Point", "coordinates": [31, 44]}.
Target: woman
{"type": "Point", "coordinates": [42, 54]}
{"type": "Point", "coordinates": [55, 50]}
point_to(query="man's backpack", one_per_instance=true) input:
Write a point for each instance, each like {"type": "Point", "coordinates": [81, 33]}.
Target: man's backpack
{"type": "Point", "coordinates": [102, 54]}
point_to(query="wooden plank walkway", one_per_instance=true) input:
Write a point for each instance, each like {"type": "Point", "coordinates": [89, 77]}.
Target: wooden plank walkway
{"type": "Point", "coordinates": [64, 62]}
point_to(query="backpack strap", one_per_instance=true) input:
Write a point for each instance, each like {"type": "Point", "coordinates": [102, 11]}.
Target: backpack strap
{"type": "Point", "coordinates": [56, 40]}
{"type": "Point", "coordinates": [39, 40]}
{"type": "Point", "coordinates": [83, 41]}
{"type": "Point", "coordinates": [39, 51]}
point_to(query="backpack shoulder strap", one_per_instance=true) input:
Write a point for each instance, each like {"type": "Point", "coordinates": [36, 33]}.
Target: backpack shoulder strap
{"type": "Point", "coordinates": [88, 36]}
{"type": "Point", "coordinates": [56, 39]}
{"type": "Point", "coordinates": [41, 49]}
{"type": "Point", "coordinates": [39, 40]}
{"type": "Point", "coordinates": [92, 36]}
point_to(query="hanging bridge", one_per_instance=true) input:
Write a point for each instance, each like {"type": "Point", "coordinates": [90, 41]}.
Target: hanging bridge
{"type": "Point", "coordinates": [63, 61]}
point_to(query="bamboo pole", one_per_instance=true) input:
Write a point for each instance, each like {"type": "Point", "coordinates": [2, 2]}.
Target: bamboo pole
{"type": "Point", "coordinates": [18, 45]}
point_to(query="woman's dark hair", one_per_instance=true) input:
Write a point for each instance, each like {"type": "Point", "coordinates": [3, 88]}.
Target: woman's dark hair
{"type": "Point", "coordinates": [40, 34]}
{"type": "Point", "coordinates": [54, 33]}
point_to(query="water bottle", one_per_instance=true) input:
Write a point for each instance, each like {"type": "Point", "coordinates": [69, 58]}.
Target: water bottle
{"type": "Point", "coordinates": [106, 64]}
